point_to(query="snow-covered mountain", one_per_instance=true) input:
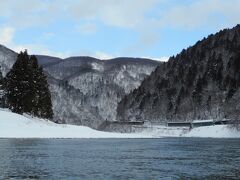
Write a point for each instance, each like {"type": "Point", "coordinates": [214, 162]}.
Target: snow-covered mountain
{"type": "Point", "coordinates": [7, 59]}
{"type": "Point", "coordinates": [86, 90]}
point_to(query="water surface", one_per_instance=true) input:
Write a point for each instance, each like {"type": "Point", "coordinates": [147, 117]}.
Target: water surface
{"type": "Point", "coordinates": [166, 158]}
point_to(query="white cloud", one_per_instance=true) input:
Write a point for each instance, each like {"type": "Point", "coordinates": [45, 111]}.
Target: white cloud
{"type": "Point", "coordinates": [120, 13]}
{"type": "Point", "coordinates": [145, 17]}
{"type": "Point", "coordinates": [7, 39]}
{"type": "Point", "coordinates": [204, 13]}
{"type": "Point", "coordinates": [6, 35]}
{"type": "Point", "coordinates": [25, 13]}
{"type": "Point", "coordinates": [41, 50]}
{"type": "Point", "coordinates": [113, 13]}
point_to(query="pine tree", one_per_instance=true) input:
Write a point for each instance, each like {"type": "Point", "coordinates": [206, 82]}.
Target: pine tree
{"type": "Point", "coordinates": [27, 89]}
{"type": "Point", "coordinates": [41, 101]}
{"type": "Point", "coordinates": [16, 84]}
{"type": "Point", "coordinates": [44, 102]}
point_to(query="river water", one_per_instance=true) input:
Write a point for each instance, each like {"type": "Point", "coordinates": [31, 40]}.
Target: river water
{"type": "Point", "coordinates": [166, 158]}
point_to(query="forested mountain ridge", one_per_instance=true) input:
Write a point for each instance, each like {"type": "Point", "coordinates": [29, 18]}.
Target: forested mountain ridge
{"type": "Point", "coordinates": [86, 90]}
{"type": "Point", "coordinates": [201, 82]}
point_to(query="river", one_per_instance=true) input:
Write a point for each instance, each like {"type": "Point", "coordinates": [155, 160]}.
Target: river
{"type": "Point", "coordinates": [164, 158]}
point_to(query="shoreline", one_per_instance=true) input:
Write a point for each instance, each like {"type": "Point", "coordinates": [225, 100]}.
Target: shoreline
{"type": "Point", "coordinates": [15, 126]}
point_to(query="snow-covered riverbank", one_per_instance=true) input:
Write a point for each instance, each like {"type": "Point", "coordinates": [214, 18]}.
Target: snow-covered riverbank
{"type": "Point", "coordinates": [17, 126]}
{"type": "Point", "coordinates": [217, 131]}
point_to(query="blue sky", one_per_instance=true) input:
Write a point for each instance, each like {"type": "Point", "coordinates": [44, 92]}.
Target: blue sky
{"type": "Point", "coordinates": [110, 28]}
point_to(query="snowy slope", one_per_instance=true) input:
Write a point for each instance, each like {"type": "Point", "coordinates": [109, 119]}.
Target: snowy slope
{"type": "Point", "coordinates": [17, 126]}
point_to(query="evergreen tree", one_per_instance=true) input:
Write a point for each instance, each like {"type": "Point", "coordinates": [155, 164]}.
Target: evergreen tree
{"type": "Point", "coordinates": [41, 101]}
{"type": "Point", "coordinates": [44, 102]}
{"type": "Point", "coordinates": [27, 88]}
{"type": "Point", "coordinates": [16, 84]}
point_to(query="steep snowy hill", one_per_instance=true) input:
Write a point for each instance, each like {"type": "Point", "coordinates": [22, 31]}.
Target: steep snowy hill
{"type": "Point", "coordinates": [86, 90]}
{"type": "Point", "coordinates": [202, 82]}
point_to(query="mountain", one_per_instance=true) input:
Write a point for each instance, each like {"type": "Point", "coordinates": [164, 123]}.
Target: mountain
{"type": "Point", "coordinates": [201, 82]}
{"type": "Point", "coordinates": [7, 59]}
{"type": "Point", "coordinates": [86, 90]}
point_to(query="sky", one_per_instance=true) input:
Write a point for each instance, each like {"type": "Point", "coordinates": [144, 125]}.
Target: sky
{"type": "Point", "coordinates": [105, 29]}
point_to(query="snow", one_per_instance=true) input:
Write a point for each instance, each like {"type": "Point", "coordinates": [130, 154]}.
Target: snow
{"type": "Point", "coordinates": [17, 126]}
{"type": "Point", "coordinates": [98, 66]}
{"type": "Point", "coordinates": [200, 121]}
{"type": "Point", "coordinates": [22, 126]}
{"type": "Point", "coordinates": [217, 131]}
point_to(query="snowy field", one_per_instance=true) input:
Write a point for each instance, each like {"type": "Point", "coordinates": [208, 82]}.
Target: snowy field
{"type": "Point", "coordinates": [17, 126]}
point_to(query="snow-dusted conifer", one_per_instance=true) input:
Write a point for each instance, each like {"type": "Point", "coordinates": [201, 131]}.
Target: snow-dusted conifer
{"type": "Point", "coordinates": [42, 104]}
{"type": "Point", "coordinates": [26, 88]}
{"type": "Point", "coordinates": [16, 84]}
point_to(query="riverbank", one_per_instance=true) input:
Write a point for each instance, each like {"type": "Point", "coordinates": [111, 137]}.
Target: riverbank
{"type": "Point", "coordinates": [13, 125]}
{"type": "Point", "coordinates": [18, 126]}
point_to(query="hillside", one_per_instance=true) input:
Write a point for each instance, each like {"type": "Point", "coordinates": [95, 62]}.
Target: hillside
{"type": "Point", "coordinates": [86, 90]}
{"type": "Point", "coordinates": [201, 82]}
